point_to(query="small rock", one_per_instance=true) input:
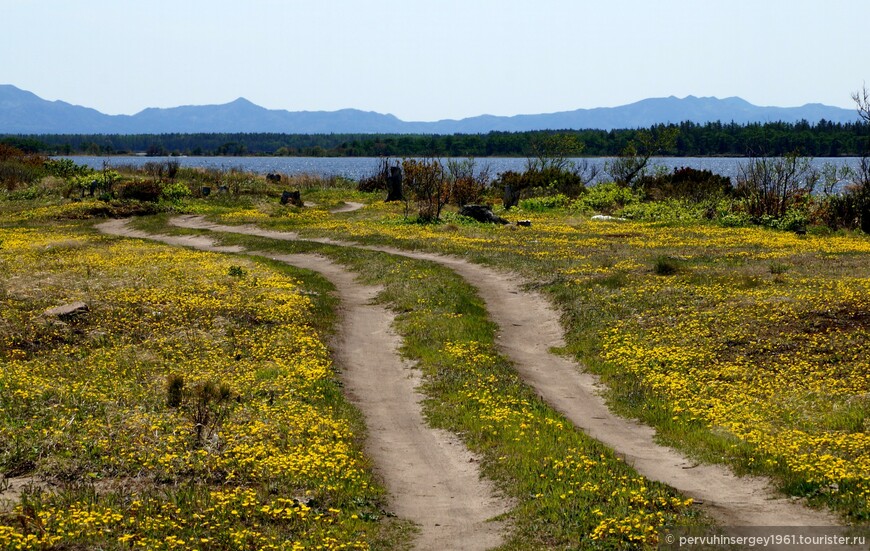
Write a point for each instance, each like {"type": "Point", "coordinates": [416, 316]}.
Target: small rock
{"type": "Point", "coordinates": [67, 310]}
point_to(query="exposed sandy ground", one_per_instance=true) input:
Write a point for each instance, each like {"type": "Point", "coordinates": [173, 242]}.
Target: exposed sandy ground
{"type": "Point", "coordinates": [11, 489]}
{"type": "Point", "coordinates": [348, 206]}
{"type": "Point", "coordinates": [529, 329]}
{"type": "Point", "coordinates": [432, 478]}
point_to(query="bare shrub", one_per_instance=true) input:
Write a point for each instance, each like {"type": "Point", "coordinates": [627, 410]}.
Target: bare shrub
{"type": "Point", "coordinates": [18, 168]}
{"type": "Point", "coordinates": [379, 180]}
{"type": "Point", "coordinates": [429, 186]}
{"type": "Point", "coordinates": [770, 186]}
{"type": "Point", "coordinates": [632, 164]}
{"type": "Point", "coordinates": [208, 406]}
{"type": "Point", "coordinates": [469, 183]}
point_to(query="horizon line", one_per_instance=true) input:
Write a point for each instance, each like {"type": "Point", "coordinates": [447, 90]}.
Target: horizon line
{"type": "Point", "coordinates": [447, 119]}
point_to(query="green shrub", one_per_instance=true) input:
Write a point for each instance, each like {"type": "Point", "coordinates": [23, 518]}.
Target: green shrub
{"type": "Point", "coordinates": [175, 191]}
{"type": "Point", "coordinates": [794, 220]}
{"type": "Point", "coordinates": [734, 220]}
{"type": "Point", "coordinates": [670, 210]}
{"type": "Point", "coordinates": [540, 204]}
{"type": "Point", "coordinates": [92, 183]}
{"type": "Point", "coordinates": [27, 194]}
{"type": "Point", "coordinates": [65, 168]}
{"type": "Point", "coordinates": [605, 197]}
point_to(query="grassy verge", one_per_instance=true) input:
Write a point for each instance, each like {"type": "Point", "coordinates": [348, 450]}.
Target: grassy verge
{"type": "Point", "coordinates": [193, 405]}
{"type": "Point", "coordinates": [570, 492]}
{"type": "Point", "coordinates": [744, 346]}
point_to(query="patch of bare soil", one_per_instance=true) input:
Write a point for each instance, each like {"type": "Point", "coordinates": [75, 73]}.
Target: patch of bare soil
{"type": "Point", "coordinates": [529, 330]}
{"type": "Point", "coordinates": [12, 488]}
{"type": "Point", "coordinates": [348, 206]}
{"type": "Point", "coordinates": [432, 478]}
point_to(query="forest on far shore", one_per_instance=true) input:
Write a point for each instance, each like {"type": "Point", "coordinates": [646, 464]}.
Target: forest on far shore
{"type": "Point", "coordinates": [823, 139]}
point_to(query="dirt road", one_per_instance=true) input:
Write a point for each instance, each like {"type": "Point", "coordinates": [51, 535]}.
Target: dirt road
{"type": "Point", "coordinates": [529, 329]}
{"type": "Point", "coordinates": [432, 478]}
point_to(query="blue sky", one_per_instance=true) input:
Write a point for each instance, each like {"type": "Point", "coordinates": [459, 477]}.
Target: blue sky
{"type": "Point", "coordinates": [433, 59]}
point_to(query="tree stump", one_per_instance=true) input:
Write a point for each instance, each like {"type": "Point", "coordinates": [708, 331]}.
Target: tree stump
{"type": "Point", "coordinates": [292, 198]}
{"type": "Point", "coordinates": [394, 184]}
{"type": "Point", "coordinates": [511, 198]}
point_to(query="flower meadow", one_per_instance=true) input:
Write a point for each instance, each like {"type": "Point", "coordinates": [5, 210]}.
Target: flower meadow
{"type": "Point", "coordinates": [751, 348]}
{"type": "Point", "coordinates": [193, 406]}
{"type": "Point", "coordinates": [783, 368]}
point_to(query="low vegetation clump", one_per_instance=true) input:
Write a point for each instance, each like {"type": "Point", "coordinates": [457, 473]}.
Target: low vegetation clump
{"type": "Point", "coordinates": [191, 405]}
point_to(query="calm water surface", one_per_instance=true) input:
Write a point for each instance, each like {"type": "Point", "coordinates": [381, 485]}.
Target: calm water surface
{"type": "Point", "coordinates": [359, 167]}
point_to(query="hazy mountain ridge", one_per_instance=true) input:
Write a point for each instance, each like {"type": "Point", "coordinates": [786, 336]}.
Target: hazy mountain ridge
{"type": "Point", "coordinates": [22, 112]}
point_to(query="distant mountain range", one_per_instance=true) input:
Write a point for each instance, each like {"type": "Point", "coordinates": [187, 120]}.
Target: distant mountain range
{"type": "Point", "coordinates": [22, 112]}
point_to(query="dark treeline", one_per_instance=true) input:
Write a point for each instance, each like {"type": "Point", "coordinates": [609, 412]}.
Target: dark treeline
{"type": "Point", "coordinates": [824, 139]}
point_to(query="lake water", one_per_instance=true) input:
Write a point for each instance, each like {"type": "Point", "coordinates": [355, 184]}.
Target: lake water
{"type": "Point", "coordinates": [360, 167]}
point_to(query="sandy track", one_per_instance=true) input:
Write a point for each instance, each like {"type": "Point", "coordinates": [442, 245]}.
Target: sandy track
{"type": "Point", "coordinates": [432, 478]}
{"type": "Point", "coordinates": [348, 206]}
{"type": "Point", "coordinates": [528, 329]}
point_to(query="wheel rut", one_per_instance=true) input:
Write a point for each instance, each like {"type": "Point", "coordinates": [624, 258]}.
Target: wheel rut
{"type": "Point", "coordinates": [529, 329]}
{"type": "Point", "coordinates": [432, 479]}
